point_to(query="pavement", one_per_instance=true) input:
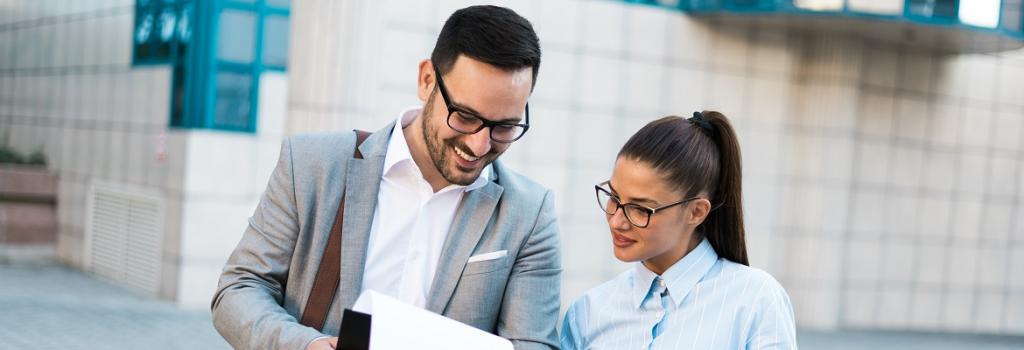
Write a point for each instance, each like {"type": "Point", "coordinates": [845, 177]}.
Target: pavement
{"type": "Point", "coordinates": [47, 306]}
{"type": "Point", "coordinates": [52, 307]}
{"type": "Point", "coordinates": [878, 340]}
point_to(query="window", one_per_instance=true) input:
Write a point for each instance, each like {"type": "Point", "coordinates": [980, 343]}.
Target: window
{"type": "Point", "coordinates": [234, 100]}
{"type": "Point", "coordinates": [252, 36]}
{"type": "Point", "coordinates": [981, 13]}
{"type": "Point", "coordinates": [819, 5]}
{"type": "Point", "coordinates": [217, 50]}
{"type": "Point", "coordinates": [275, 41]}
{"type": "Point", "coordinates": [237, 34]}
{"type": "Point", "coordinates": [1012, 16]}
{"type": "Point", "coordinates": [162, 31]}
{"type": "Point", "coordinates": [936, 9]}
{"type": "Point", "coordinates": [880, 7]}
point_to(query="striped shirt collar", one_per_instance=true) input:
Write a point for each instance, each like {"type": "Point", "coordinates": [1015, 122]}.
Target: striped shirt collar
{"type": "Point", "coordinates": [680, 278]}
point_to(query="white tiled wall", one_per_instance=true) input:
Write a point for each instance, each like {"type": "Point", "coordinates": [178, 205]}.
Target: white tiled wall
{"type": "Point", "coordinates": [67, 86]}
{"type": "Point", "coordinates": [883, 183]}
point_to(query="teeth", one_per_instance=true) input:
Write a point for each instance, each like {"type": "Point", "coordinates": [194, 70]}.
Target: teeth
{"type": "Point", "coordinates": [465, 155]}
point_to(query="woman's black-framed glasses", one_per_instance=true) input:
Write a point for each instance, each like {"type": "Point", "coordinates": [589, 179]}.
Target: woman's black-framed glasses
{"type": "Point", "coordinates": [466, 122]}
{"type": "Point", "coordinates": [637, 215]}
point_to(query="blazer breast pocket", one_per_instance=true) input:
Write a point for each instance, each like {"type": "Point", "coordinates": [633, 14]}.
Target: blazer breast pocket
{"type": "Point", "coordinates": [485, 266]}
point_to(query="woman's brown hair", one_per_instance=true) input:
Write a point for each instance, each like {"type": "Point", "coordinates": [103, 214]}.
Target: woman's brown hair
{"type": "Point", "coordinates": [699, 154]}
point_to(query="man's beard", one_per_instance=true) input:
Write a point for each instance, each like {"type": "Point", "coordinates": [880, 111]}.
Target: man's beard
{"type": "Point", "coordinates": [437, 148]}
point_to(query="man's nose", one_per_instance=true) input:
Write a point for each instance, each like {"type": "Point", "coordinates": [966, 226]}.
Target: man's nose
{"type": "Point", "coordinates": [480, 142]}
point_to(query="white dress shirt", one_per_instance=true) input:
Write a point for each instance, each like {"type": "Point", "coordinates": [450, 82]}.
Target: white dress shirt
{"type": "Point", "coordinates": [701, 302]}
{"type": "Point", "coordinates": [410, 223]}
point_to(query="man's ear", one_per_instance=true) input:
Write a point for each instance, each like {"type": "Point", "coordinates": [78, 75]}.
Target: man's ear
{"type": "Point", "coordinates": [425, 80]}
{"type": "Point", "coordinates": [699, 211]}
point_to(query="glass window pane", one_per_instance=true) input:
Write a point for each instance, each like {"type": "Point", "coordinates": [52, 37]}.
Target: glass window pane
{"type": "Point", "coordinates": [279, 3]}
{"type": "Point", "coordinates": [145, 21]}
{"type": "Point", "coordinates": [275, 41]}
{"type": "Point", "coordinates": [934, 8]}
{"type": "Point", "coordinates": [236, 38]}
{"type": "Point", "coordinates": [185, 22]}
{"type": "Point", "coordinates": [163, 31]}
{"type": "Point", "coordinates": [233, 100]}
{"type": "Point", "coordinates": [1012, 15]}
{"type": "Point", "coordinates": [982, 13]}
{"type": "Point", "coordinates": [819, 5]}
{"type": "Point", "coordinates": [183, 32]}
{"type": "Point", "coordinates": [168, 24]}
{"type": "Point", "coordinates": [882, 7]}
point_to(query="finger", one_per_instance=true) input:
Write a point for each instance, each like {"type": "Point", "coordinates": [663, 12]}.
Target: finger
{"type": "Point", "coordinates": [333, 342]}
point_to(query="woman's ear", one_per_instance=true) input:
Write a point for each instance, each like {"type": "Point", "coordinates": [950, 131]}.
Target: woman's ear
{"type": "Point", "coordinates": [425, 80]}
{"type": "Point", "coordinates": [699, 211]}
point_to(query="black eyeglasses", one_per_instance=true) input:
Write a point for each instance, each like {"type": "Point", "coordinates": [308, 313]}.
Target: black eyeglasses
{"type": "Point", "coordinates": [468, 123]}
{"type": "Point", "coordinates": [637, 215]}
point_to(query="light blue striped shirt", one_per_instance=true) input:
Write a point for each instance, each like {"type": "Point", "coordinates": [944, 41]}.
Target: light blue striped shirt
{"type": "Point", "coordinates": [711, 303]}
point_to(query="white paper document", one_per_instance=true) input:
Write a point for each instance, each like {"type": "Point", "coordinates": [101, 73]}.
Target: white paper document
{"type": "Point", "coordinates": [397, 325]}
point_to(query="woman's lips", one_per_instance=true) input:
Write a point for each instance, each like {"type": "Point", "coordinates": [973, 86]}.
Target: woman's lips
{"type": "Point", "coordinates": [621, 241]}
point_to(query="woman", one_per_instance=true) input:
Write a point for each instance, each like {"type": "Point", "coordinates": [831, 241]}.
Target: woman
{"type": "Point", "coordinates": [674, 205]}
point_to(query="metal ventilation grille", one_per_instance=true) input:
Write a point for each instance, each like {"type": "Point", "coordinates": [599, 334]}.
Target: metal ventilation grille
{"type": "Point", "coordinates": [124, 235]}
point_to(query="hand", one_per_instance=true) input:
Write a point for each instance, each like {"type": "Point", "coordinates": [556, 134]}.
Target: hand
{"type": "Point", "coordinates": [323, 344]}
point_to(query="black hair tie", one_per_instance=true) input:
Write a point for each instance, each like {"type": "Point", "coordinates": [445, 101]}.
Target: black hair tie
{"type": "Point", "coordinates": [699, 120]}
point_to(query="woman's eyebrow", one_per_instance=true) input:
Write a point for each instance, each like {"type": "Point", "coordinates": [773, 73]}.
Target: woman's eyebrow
{"type": "Point", "coordinates": [633, 200]}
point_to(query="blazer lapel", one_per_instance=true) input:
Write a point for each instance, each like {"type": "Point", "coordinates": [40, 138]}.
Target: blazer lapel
{"type": "Point", "coordinates": [362, 182]}
{"type": "Point", "coordinates": [467, 228]}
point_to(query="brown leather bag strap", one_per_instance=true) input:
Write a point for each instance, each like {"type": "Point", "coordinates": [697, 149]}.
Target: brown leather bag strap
{"type": "Point", "coordinates": [328, 274]}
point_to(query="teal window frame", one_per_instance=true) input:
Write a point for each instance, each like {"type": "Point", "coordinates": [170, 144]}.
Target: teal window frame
{"type": "Point", "coordinates": [194, 91]}
{"type": "Point", "coordinates": [787, 7]}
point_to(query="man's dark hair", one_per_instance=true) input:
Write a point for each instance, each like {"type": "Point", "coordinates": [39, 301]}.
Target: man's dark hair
{"type": "Point", "coordinates": [494, 35]}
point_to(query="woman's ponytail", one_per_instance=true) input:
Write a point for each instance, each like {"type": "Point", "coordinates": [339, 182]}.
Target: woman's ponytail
{"type": "Point", "coordinates": [724, 224]}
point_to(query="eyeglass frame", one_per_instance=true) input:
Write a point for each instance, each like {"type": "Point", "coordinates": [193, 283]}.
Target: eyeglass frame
{"type": "Point", "coordinates": [619, 205]}
{"type": "Point", "coordinates": [484, 123]}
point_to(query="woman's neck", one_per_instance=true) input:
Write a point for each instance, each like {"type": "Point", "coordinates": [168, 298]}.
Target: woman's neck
{"type": "Point", "coordinates": [660, 264]}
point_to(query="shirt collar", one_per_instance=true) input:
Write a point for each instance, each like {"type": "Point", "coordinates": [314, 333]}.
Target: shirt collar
{"type": "Point", "coordinates": [680, 278]}
{"type": "Point", "coordinates": [399, 157]}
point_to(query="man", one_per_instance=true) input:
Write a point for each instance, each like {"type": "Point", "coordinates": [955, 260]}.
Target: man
{"type": "Point", "coordinates": [429, 216]}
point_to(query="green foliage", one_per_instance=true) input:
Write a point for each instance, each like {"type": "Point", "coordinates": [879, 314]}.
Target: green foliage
{"type": "Point", "coordinates": [10, 155]}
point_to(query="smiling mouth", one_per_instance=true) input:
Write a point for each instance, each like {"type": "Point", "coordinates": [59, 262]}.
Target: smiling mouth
{"type": "Point", "coordinates": [464, 155]}
{"type": "Point", "coordinates": [621, 241]}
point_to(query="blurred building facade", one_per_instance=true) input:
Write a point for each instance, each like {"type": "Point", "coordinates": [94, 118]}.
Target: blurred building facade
{"type": "Point", "coordinates": [162, 137]}
{"type": "Point", "coordinates": [884, 177]}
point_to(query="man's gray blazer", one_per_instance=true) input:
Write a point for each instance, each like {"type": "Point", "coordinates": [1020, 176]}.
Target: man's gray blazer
{"type": "Point", "coordinates": [267, 279]}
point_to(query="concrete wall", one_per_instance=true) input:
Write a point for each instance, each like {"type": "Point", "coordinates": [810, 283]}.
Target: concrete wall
{"type": "Point", "coordinates": [67, 87]}
{"type": "Point", "coordinates": [224, 176]}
